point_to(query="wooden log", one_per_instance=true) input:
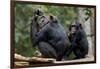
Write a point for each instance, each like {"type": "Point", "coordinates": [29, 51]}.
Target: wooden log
{"type": "Point", "coordinates": [35, 59]}
{"type": "Point", "coordinates": [38, 60]}
{"type": "Point", "coordinates": [18, 57]}
{"type": "Point", "coordinates": [32, 59]}
{"type": "Point", "coordinates": [18, 64]}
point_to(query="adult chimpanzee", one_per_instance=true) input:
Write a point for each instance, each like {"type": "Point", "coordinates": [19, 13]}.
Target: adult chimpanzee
{"type": "Point", "coordinates": [79, 42]}
{"type": "Point", "coordinates": [52, 38]}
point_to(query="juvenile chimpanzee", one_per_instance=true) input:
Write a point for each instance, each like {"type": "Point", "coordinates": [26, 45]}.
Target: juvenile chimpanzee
{"type": "Point", "coordinates": [52, 38]}
{"type": "Point", "coordinates": [79, 42]}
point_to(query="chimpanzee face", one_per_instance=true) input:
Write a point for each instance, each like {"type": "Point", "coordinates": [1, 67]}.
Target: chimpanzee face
{"type": "Point", "coordinates": [45, 19]}
{"type": "Point", "coordinates": [73, 29]}
{"type": "Point", "coordinates": [42, 20]}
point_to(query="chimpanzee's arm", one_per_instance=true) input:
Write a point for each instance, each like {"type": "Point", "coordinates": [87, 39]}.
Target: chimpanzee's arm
{"type": "Point", "coordinates": [41, 35]}
{"type": "Point", "coordinates": [74, 41]}
{"type": "Point", "coordinates": [33, 31]}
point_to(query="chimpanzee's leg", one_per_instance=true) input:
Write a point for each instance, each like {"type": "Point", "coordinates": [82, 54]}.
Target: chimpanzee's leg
{"type": "Point", "coordinates": [79, 54]}
{"type": "Point", "coordinates": [47, 50]}
{"type": "Point", "coordinates": [71, 49]}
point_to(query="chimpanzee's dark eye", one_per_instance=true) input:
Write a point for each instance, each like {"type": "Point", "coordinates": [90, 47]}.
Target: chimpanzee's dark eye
{"type": "Point", "coordinates": [42, 20]}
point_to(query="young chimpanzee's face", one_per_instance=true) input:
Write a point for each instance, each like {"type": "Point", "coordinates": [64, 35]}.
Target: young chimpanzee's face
{"type": "Point", "coordinates": [73, 29]}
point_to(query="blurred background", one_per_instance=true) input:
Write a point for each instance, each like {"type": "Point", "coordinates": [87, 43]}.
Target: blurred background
{"type": "Point", "coordinates": [65, 14]}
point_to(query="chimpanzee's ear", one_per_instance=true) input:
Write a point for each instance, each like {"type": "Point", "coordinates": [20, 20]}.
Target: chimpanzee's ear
{"type": "Point", "coordinates": [53, 19]}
